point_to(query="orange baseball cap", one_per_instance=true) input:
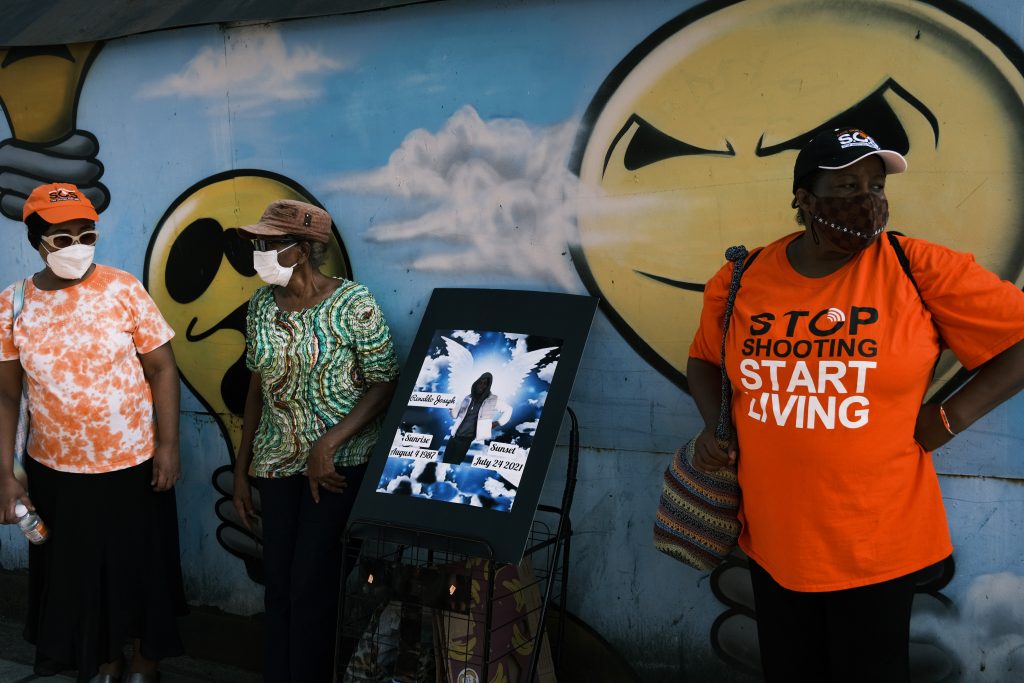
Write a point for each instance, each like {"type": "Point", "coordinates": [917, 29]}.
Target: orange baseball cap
{"type": "Point", "coordinates": [59, 202]}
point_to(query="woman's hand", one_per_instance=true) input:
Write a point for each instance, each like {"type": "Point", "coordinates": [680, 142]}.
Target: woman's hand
{"type": "Point", "coordinates": [166, 467]}
{"type": "Point", "coordinates": [242, 498]}
{"type": "Point", "coordinates": [320, 469]}
{"type": "Point", "coordinates": [709, 456]}
{"type": "Point", "coordinates": [11, 491]}
{"type": "Point", "coordinates": [162, 375]}
{"type": "Point", "coordinates": [11, 488]}
{"type": "Point", "coordinates": [929, 430]}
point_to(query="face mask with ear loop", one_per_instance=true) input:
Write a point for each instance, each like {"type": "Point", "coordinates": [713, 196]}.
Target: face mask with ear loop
{"type": "Point", "coordinates": [71, 263]}
{"type": "Point", "coordinates": [270, 271]}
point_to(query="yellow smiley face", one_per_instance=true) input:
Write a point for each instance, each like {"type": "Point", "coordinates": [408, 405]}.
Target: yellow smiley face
{"type": "Point", "coordinates": [689, 146]}
{"type": "Point", "coordinates": [199, 270]}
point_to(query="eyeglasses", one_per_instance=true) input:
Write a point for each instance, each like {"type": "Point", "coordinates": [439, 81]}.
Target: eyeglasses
{"type": "Point", "coordinates": [63, 239]}
{"type": "Point", "coordinates": [260, 244]}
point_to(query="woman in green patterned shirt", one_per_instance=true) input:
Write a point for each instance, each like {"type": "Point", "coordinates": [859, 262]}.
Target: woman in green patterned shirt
{"type": "Point", "coordinates": [323, 371]}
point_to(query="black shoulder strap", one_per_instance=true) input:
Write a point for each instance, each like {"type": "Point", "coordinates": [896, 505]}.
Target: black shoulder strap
{"type": "Point", "coordinates": [901, 256]}
{"type": "Point", "coordinates": [750, 258]}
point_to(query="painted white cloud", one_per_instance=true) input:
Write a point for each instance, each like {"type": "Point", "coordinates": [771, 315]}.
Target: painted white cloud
{"type": "Point", "coordinates": [499, 192]}
{"type": "Point", "coordinates": [987, 638]}
{"type": "Point", "coordinates": [255, 70]}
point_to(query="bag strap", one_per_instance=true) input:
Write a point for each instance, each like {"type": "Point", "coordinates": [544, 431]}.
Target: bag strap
{"type": "Point", "coordinates": [947, 390]}
{"type": "Point", "coordinates": [18, 301]}
{"type": "Point", "coordinates": [901, 256]}
{"type": "Point", "coordinates": [741, 260]}
{"type": "Point", "coordinates": [21, 434]}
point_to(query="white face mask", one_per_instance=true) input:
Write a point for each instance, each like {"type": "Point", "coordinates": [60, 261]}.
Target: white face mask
{"type": "Point", "coordinates": [70, 263]}
{"type": "Point", "coordinates": [269, 270]}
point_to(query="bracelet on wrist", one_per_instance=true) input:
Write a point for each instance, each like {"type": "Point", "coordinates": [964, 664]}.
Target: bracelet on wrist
{"type": "Point", "coordinates": [945, 420]}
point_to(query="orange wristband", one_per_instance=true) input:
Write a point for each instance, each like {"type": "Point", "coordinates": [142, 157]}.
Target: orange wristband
{"type": "Point", "coordinates": [945, 420]}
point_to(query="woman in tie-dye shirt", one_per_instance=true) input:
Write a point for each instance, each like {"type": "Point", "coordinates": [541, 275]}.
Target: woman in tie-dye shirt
{"type": "Point", "coordinates": [102, 451]}
{"type": "Point", "coordinates": [323, 370]}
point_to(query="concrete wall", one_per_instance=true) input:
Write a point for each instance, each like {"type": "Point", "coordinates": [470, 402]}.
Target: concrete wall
{"type": "Point", "coordinates": [549, 146]}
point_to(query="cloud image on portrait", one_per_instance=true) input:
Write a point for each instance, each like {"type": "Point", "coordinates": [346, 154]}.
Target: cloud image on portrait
{"type": "Point", "coordinates": [468, 426]}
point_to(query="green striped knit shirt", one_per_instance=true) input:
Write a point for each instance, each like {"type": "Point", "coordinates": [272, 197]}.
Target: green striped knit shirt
{"type": "Point", "coordinates": [315, 365]}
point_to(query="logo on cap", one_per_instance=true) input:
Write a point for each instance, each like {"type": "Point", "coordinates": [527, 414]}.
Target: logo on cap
{"type": "Point", "coordinates": [62, 194]}
{"type": "Point", "coordinates": [854, 137]}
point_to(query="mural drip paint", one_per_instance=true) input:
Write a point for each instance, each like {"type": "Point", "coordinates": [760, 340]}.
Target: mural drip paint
{"type": "Point", "coordinates": [691, 142]}
{"type": "Point", "coordinates": [39, 91]}
{"type": "Point", "coordinates": [466, 433]}
{"type": "Point", "coordinates": [734, 632]}
{"type": "Point", "coordinates": [199, 270]}
{"type": "Point", "coordinates": [986, 636]}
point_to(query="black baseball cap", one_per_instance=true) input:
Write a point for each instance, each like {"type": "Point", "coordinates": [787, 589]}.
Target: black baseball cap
{"type": "Point", "coordinates": [838, 148]}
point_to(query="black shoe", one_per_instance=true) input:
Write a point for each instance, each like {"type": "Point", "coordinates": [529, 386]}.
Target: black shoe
{"type": "Point", "coordinates": [44, 666]}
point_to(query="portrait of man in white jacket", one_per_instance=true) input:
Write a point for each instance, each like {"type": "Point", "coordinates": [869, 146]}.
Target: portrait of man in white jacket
{"type": "Point", "coordinates": [478, 414]}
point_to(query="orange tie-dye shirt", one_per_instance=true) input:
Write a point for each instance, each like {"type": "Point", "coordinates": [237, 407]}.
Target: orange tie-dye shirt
{"type": "Point", "coordinates": [91, 407]}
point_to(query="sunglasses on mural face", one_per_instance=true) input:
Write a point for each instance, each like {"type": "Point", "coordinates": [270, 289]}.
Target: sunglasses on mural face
{"type": "Point", "coordinates": [260, 244]}
{"type": "Point", "coordinates": [63, 239]}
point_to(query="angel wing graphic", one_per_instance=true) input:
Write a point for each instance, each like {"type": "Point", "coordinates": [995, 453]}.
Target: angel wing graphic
{"type": "Point", "coordinates": [508, 377]}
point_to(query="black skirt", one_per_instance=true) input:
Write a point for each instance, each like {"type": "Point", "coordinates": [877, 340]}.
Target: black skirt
{"type": "Point", "coordinates": [110, 571]}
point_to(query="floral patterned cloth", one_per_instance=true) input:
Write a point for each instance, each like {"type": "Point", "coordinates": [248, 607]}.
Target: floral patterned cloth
{"type": "Point", "coordinates": [91, 407]}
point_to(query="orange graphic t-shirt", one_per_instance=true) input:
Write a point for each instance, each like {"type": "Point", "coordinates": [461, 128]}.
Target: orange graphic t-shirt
{"type": "Point", "coordinates": [91, 407]}
{"type": "Point", "coordinates": [828, 376]}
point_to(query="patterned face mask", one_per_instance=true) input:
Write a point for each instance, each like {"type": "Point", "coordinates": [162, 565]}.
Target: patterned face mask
{"type": "Point", "coordinates": [854, 222]}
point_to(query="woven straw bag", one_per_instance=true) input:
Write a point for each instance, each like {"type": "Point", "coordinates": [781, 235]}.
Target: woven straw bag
{"type": "Point", "coordinates": [696, 522]}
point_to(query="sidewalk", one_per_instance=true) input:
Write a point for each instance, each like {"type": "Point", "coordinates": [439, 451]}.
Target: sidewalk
{"type": "Point", "coordinates": [222, 648]}
{"type": "Point", "coordinates": [16, 658]}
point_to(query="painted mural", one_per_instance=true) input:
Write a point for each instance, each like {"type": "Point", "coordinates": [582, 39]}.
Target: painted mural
{"type": "Point", "coordinates": [714, 100]}
{"type": "Point", "coordinates": [39, 90]}
{"type": "Point", "coordinates": [602, 147]}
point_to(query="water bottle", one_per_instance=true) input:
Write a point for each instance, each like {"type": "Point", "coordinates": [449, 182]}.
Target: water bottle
{"type": "Point", "coordinates": [31, 525]}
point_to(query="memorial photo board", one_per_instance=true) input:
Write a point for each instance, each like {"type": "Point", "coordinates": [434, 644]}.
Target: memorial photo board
{"type": "Point", "coordinates": [467, 440]}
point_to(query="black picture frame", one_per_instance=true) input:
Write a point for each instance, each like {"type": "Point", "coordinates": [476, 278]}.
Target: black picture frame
{"type": "Point", "coordinates": [501, 534]}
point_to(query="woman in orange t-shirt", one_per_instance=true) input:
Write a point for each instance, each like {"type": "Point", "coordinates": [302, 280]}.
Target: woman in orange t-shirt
{"type": "Point", "coordinates": [830, 350]}
{"type": "Point", "coordinates": [102, 453]}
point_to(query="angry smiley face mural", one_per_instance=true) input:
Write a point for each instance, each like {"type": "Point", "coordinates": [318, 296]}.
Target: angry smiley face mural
{"type": "Point", "coordinates": [688, 146]}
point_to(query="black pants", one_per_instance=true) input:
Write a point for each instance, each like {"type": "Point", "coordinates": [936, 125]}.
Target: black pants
{"type": "Point", "coordinates": [303, 570]}
{"type": "Point", "coordinates": [455, 451]}
{"type": "Point", "coordinates": [856, 635]}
